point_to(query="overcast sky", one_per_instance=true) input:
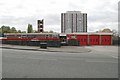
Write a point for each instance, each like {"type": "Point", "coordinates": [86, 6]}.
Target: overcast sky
{"type": "Point", "coordinates": [18, 13]}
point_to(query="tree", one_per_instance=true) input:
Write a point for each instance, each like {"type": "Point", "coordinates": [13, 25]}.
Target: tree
{"type": "Point", "coordinates": [115, 34]}
{"type": "Point", "coordinates": [34, 31]}
{"type": "Point", "coordinates": [45, 32]}
{"type": "Point", "coordinates": [106, 30]}
{"type": "Point", "coordinates": [19, 31]}
{"type": "Point", "coordinates": [29, 29]}
{"type": "Point", "coordinates": [13, 30]}
{"type": "Point", "coordinates": [0, 30]}
{"type": "Point", "coordinates": [23, 32]}
{"type": "Point", "coordinates": [51, 31]}
{"type": "Point", "coordinates": [5, 29]}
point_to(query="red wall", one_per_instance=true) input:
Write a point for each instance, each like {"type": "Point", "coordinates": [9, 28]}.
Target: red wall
{"type": "Point", "coordinates": [106, 40]}
{"type": "Point", "coordinates": [83, 39]}
{"type": "Point", "coordinates": [94, 39]}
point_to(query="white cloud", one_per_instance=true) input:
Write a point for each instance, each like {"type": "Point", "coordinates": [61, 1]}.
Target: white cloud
{"type": "Point", "coordinates": [18, 13]}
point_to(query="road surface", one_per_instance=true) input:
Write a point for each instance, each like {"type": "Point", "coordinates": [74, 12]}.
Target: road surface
{"type": "Point", "coordinates": [101, 62]}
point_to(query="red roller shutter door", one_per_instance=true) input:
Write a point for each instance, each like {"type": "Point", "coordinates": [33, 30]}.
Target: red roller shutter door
{"type": "Point", "coordinates": [94, 39]}
{"type": "Point", "coordinates": [83, 40]}
{"type": "Point", "coordinates": [106, 40]}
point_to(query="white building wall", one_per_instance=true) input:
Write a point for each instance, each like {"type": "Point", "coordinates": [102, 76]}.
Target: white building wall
{"type": "Point", "coordinates": [68, 23]}
{"type": "Point", "coordinates": [79, 23]}
{"type": "Point", "coordinates": [73, 20]}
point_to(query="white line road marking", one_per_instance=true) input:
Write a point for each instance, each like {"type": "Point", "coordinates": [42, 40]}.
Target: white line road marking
{"type": "Point", "coordinates": [102, 61]}
{"type": "Point", "coordinates": [114, 56]}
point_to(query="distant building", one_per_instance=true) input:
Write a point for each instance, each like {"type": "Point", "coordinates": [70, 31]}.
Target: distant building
{"type": "Point", "coordinates": [119, 18]}
{"type": "Point", "coordinates": [40, 25]}
{"type": "Point", "coordinates": [73, 21]}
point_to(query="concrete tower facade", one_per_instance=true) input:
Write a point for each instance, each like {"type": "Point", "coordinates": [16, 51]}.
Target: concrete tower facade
{"type": "Point", "coordinates": [73, 21]}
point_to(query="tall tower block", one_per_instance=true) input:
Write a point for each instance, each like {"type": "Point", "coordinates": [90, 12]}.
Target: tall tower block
{"type": "Point", "coordinates": [73, 22]}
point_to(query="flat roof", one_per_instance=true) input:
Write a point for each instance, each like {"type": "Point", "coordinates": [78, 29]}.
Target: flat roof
{"type": "Point", "coordinates": [27, 33]}
{"type": "Point", "coordinates": [61, 34]}
{"type": "Point", "coordinates": [92, 33]}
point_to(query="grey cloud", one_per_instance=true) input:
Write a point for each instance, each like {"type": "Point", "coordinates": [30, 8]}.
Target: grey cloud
{"type": "Point", "coordinates": [93, 26]}
{"type": "Point", "coordinates": [18, 22]}
{"type": "Point", "coordinates": [52, 19]}
{"type": "Point", "coordinates": [52, 22]}
{"type": "Point", "coordinates": [55, 28]}
{"type": "Point", "coordinates": [1, 4]}
{"type": "Point", "coordinates": [73, 6]}
{"type": "Point", "coordinates": [103, 15]}
{"type": "Point", "coordinates": [52, 2]}
{"type": "Point", "coordinates": [19, 7]}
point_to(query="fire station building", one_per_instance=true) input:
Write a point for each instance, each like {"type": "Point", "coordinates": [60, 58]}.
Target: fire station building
{"type": "Point", "coordinates": [91, 38]}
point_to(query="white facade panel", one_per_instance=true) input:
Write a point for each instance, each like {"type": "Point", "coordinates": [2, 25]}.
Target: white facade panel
{"type": "Point", "coordinates": [73, 21]}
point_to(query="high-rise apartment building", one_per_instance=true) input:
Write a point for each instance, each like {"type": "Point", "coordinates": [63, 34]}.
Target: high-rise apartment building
{"type": "Point", "coordinates": [73, 21]}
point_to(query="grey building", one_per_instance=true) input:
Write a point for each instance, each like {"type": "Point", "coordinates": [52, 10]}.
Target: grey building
{"type": "Point", "coordinates": [73, 21]}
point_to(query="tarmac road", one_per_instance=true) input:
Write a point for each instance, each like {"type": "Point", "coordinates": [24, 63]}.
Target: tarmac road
{"type": "Point", "coordinates": [101, 62]}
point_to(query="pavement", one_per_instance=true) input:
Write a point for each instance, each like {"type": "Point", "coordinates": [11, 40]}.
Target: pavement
{"type": "Point", "coordinates": [67, 49]}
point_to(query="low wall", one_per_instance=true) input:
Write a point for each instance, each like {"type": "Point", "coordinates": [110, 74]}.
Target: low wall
{"type": "Point", "coordinates": [50, 43]}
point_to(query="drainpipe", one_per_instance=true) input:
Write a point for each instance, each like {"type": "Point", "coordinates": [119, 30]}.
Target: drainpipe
{"type": "Point", "coordinates": [88, 40]}
{"type": "Point", "coordinates": [100, 40]}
